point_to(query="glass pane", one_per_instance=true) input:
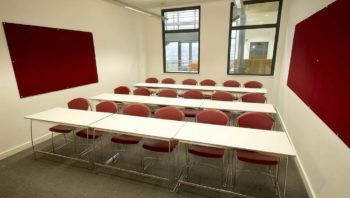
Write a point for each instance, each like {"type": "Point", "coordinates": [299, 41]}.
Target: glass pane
{"type": "Point", "coordinates": [180, 20]}
{"type": "Point", "coordinates": [255, 14]}
{"type": "Point", "coordinates": [185, 59]}
{"type": "Point", "coordinates": [251, 51]}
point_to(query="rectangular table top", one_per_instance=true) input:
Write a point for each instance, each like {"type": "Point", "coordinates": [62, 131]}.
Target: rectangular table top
{"type": "Point", "coordinates": [140, 126]}
{"type": "Point", "coordinates": [69, 116]}
{"type": "Point", "coordinates": [272, 142]}
{"type": "Point", "coordinates": [238, 106]}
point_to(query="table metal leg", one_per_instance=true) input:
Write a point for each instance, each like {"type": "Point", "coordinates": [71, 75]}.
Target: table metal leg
{"type": "Point", "coordinates": [31, 137]}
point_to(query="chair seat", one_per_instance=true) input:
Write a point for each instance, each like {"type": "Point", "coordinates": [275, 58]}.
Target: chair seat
{"type": "Point", "coordinates": [206, 151]}
{"type": "Point", "coordinates": [126, 139]}
{"type": "Point", "coordinates": [190, 112]}
{"type": "Point", "coordinates": [257, 158]}
{"type": "Point", "coordinates": [62, 129]}
{"type": "Point", "coordinates": [159, 145]}
{"type": "Point", "coordinates": [83, 134]}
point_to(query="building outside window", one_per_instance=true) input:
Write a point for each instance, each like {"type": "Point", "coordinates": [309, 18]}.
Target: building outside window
{"type": "Point", "coordinates": [254, 28]}
{"type": "Point", "coordinates": [181, 28]}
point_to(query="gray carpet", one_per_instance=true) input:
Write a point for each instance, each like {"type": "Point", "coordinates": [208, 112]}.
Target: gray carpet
{"type": "Point", "coordinates": [50, 176]}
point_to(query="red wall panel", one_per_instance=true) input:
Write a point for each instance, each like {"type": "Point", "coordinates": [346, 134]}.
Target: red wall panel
{"type": "Point", "coordinates": [320, 59]}
{"type": "Point", "coordinates": [50, 59]}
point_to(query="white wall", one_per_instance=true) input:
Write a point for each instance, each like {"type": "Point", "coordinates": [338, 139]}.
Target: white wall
{"type": "Point", "coordinates": [214, 36]}
{"type": "Point", "coordinates": [324, 158]}
{"type": "Point", "coordinates": [118, 38]}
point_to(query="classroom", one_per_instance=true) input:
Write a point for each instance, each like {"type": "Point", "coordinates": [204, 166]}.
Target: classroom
{"type": "Point", "coordinates": [104, 98]}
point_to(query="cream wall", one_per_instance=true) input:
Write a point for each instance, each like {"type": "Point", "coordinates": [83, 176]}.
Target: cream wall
{"type": "Point", "coordinates": [118, 38]}
{"type": "Point", "coordinates": [323, 157]}
{"type": "Point", "coordinates": [214, 36]}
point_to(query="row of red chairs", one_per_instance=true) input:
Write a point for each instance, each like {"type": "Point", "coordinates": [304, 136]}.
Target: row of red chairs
{"type": "Point", "coordinates": [248, 120]}
{"type": "Point", "coordinates": [206, 82]}
{"type": "Point", "coordinates": [193, 94]}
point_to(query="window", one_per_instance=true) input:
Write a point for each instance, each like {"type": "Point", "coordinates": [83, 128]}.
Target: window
{"type": "Point", "coordinates": [181, 40]}
{"type": "Point", "coordinates": [253, 37]}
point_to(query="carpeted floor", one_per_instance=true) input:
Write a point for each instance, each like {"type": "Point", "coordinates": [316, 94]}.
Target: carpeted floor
{"type": "Point", "coordinates": [50, 176]}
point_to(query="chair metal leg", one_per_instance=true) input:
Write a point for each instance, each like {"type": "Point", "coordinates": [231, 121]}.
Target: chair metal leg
{"type": "Point", "coordinates": [52, 144]}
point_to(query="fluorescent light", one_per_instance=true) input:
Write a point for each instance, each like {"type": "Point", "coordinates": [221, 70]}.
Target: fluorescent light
{"type": "Point", "coordinates": [137, 10]}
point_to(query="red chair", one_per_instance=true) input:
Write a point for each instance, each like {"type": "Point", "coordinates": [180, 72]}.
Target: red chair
{"type": "Point", "coordinates": [253, 98]}
{"type": "Point", "coordinates": [169, 113]}
{"type": "Point", "coordinates": [170, 93]}
{"type": "Point", "coordinates": [231, 83]}
{"type": "Point", "coordinates": [122, 90]}
{"type": "Point", "coordinates": [207, 82]}
{"type": "Point", "coordinates": [210, 116]}
{"type": "Point", "coordinates": [77, 103]}
{"type": "Point", "coordinates": [192, 94]}
{"type": "Point", "coordinates": [257, 121]}
{"type": "Point", "coordinates": [135, 109]}
{"type": "Point", "coordinates": [189, 81]}
{"type": "Point", "coordinates": [151, 80]}
{"type": "Point", "coordinates": [253, 84]}
{"type": "Point", "coordinates": [142, 91]}
{"type": "Point", "coordinates": [105, 106]}
{"type": "Point", "coordinates": [168, 81]}
{"type": "Point", "coordinates": [223, 96]}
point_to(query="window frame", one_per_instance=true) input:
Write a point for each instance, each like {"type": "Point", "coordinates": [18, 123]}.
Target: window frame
{"type": "Point", "coordinates": [259, 26]}
{"type": "Point", "coordinates": [181, 31]}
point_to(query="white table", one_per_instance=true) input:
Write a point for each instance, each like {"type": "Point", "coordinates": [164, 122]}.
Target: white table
{"type": "Point", "coordinates": [178, 102]}
{"type": "Point", "coordinates": [273, 142]}
{"type": "Point", "coordinates": [139, 126]}
{"type": "Point", "coordinates": [153, 85]}
{"type": "Point", "coordinates": [142, 127]}
{"type": "Point", "coordinates": [202, 88]}
{"type": "Point", "coordinates": [71, 117]}
{"type": "Point", "coordinates": [120, 97]}
{"type": "Point", "coordinates": [228, 137]}
{"type": "Point", "coordinates": [238, 106]}
{"type": "Point", "coordinates": [241, 89]}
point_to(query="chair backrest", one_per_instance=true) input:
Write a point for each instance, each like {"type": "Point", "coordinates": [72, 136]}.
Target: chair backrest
{"type": "Point", "coordinates": [107, 106]}
{"type": "Point", "coordinates": [168, 81]}
{"type": "Point", "coordinates": [253, 84]}
{"type": "Point", "coordinates": [207, 82]}
{"type": "Point", "coordinates": [231, 83]}
{"type": "Point", "coordinates": [253, 97]}
{"type": "Point", "coordinates": [223, 96]}
{"type": "Point", "coordinates": [122, 90]}
{"type": "Point", "coordinates": [136, 109]}
{"type": "Point", "coordinates": [255, 120]}
{"type": "Point", "coordinates": [193, 94]}
{"type": "Point", "coordinates": [212, 116]}
{"type": "Point", "coordinates": [169, 113]}
{"type": "Point", "coordinates": [189, 81]}
{"type": "Point", "coordinates": [151, 80]}
{"type": "Point", "coordinates": [142, 91]}
{"type": "Point", "coordinates": [170, 93]}
{"type": "Point", "coordinates": [79, 103]}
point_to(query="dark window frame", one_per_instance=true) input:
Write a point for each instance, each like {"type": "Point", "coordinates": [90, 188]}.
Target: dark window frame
{"type": "Point", "coordinates": [181, 31]}
{"type": "Point", "coordinates": [259, 26]}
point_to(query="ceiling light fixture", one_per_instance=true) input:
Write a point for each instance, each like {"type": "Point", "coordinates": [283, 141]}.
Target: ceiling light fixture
{"type": "Point", "coordinates": [137, 9]}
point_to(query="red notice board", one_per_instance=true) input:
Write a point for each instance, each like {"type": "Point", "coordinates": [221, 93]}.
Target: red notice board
{"type": "Point", "coordinates": [320, 66]}
{"type": "Point", "coordinates": [50, 59]}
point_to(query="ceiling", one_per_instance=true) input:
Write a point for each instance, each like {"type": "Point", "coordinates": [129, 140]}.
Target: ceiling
{"type": "Point", "coordinates": [146, 4]}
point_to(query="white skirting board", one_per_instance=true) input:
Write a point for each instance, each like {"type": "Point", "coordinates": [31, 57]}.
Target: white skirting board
{"type": "Point", "coordinates": [297, 161]}
{"type": "Point", "coordinates": [24, 146]}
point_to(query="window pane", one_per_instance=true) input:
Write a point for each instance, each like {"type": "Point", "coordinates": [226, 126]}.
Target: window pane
{"type": "Point", "coordinates": [251, 51]}
{"type": "Point", "coordinates": [184, 56]}
{"type": "Point", "coordinates": [172, 55]}
{"type": "Point", "coordinates": [181, 20]}
{"type": "Point", "coordinates": [255, 14]}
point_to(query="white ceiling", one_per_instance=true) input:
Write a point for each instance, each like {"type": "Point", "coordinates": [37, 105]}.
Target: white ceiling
{"type": "Point", "coordinates": [145, 4]}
